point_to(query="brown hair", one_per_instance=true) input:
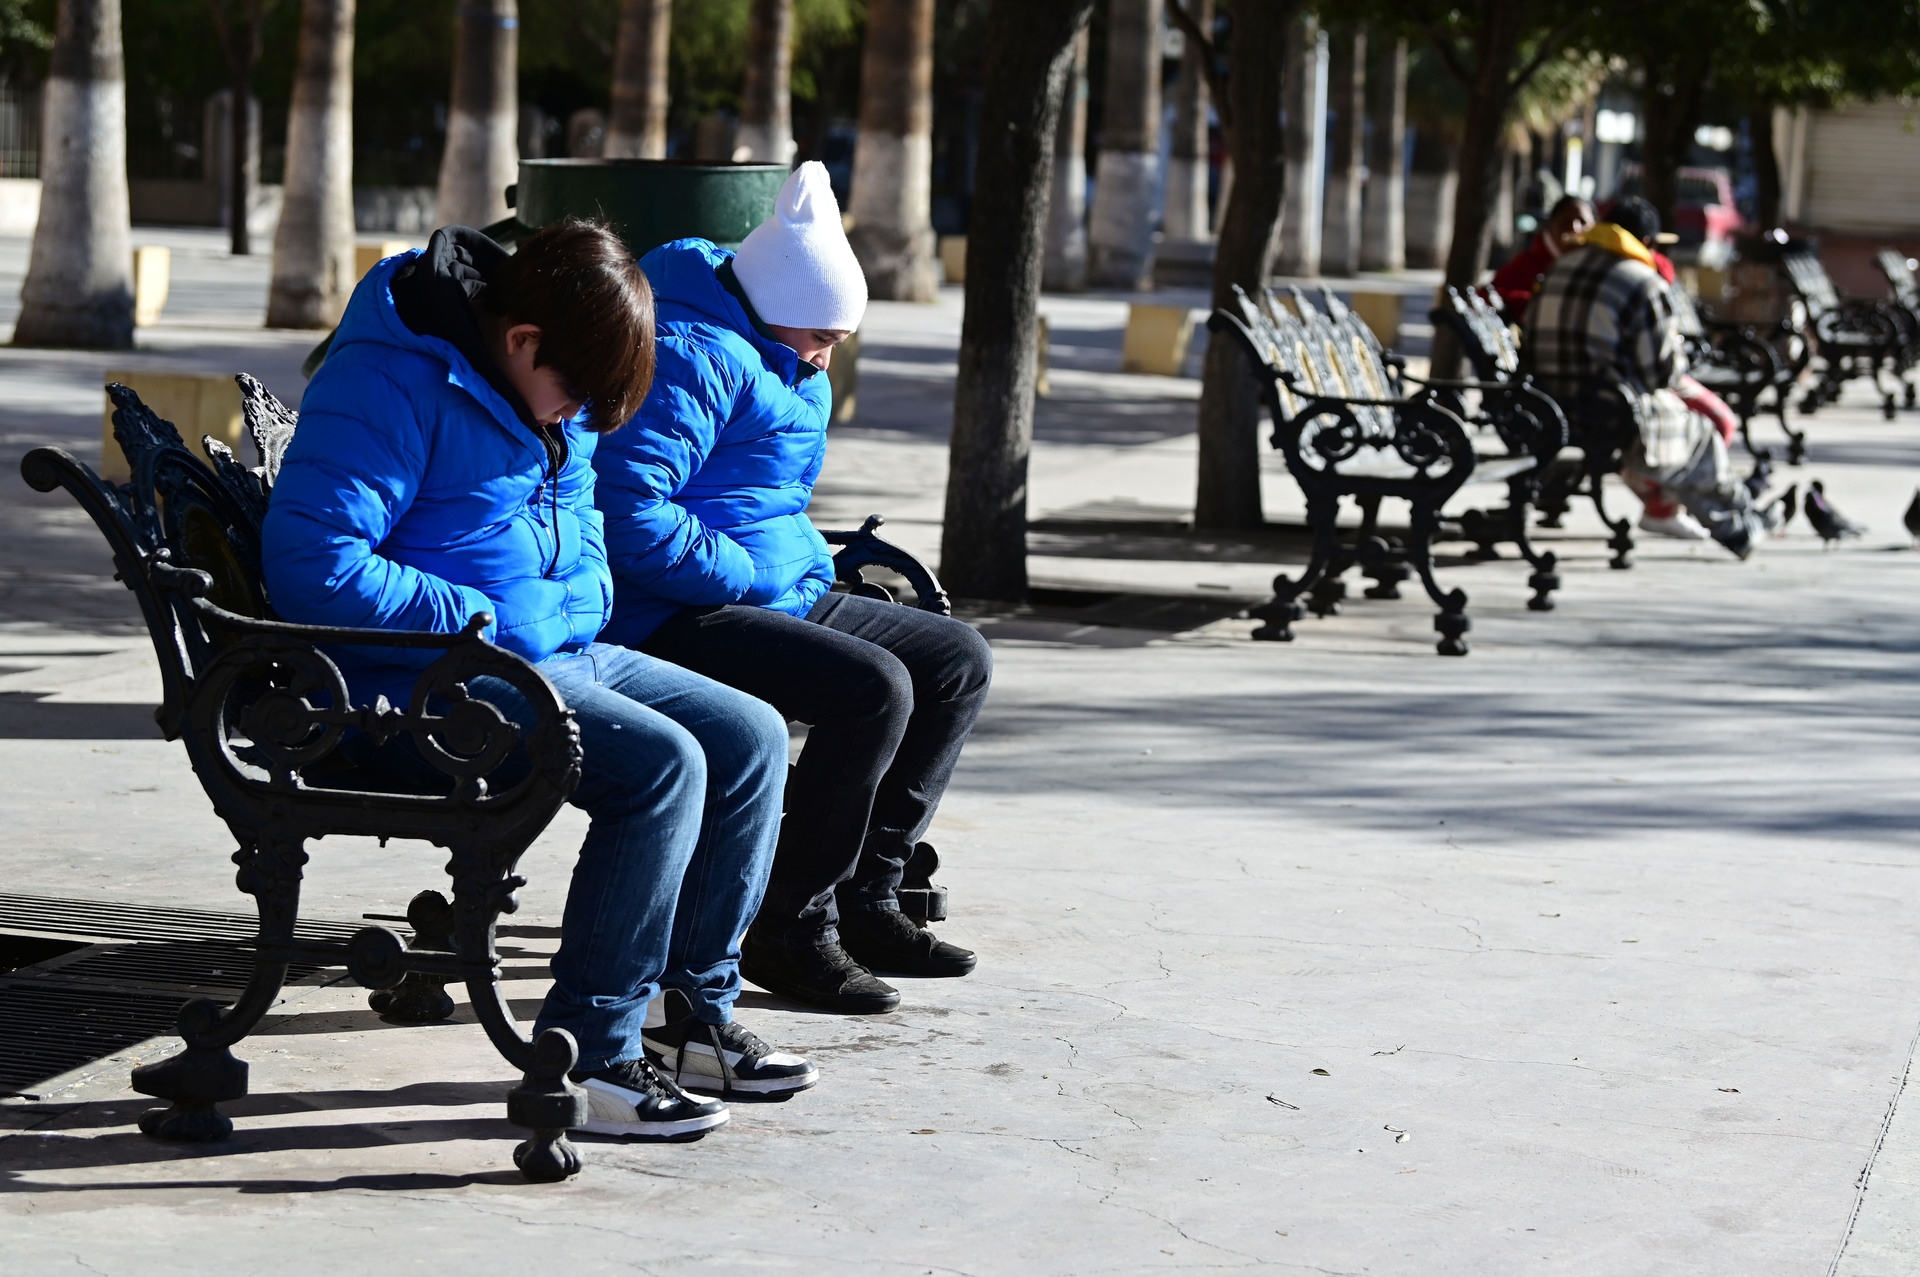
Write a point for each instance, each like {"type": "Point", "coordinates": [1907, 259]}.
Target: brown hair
{"type": "Point", "coordinates": [579, 284]}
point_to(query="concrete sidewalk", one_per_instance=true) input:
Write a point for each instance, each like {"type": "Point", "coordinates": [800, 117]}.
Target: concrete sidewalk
{"type": "Point", "coordinates": [1633, 988]}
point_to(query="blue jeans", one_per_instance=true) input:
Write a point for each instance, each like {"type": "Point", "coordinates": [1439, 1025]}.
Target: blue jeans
{"type": "Point", "coordinates": [683, 779]}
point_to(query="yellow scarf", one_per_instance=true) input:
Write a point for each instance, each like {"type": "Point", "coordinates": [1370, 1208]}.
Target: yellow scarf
{"type": "Point", "coordinates": [1615, 240]}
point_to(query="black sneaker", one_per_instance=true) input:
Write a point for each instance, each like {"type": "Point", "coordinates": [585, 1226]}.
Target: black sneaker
{"type": "Point", "coordinates": [887, 940]}
{"type": "Point", "coordinates": [817, 975]}
{"type": "Point", "coordinates": [721, 1059]}
{"type": "Point", "coordinates": [631, 1099]}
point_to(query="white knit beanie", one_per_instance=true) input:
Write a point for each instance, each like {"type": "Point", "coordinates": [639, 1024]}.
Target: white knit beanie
{"type": "Point", "coordinates": [797, 268]}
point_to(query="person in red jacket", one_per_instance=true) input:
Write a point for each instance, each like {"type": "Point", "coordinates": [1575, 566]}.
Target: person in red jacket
{"type": "Point", "coordinates": [1519, 279]}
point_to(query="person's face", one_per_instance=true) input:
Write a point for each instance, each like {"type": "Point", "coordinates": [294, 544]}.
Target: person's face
{"type": "Point", "coordinates": [813, 345]}
{"type": "Point", "coordinates": [1567, 229]}
{"type": "Point", "coordinates": [548, 396]}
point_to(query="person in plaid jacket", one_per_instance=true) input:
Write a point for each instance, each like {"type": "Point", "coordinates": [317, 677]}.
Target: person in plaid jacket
{"type": "Point", "coordinates": [1603, 321]}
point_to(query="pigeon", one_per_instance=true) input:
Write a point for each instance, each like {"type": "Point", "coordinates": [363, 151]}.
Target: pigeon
{"type": "Point", "coordinates": [1827, 521]}
{"type": "Point", "coordinates": [1779, 512]}
{"type": "Point", "coordinates": [1912, 517]}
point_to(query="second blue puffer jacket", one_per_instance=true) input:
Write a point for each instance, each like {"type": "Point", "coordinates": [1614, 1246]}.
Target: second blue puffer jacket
{"type": "Point", "coordinates": [705, 491]}
{"type": "Point", "coordinates": [413, 496]}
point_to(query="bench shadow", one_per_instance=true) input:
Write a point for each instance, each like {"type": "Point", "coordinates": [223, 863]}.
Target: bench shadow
{"type": "Point", "coordinates": [25, 716]}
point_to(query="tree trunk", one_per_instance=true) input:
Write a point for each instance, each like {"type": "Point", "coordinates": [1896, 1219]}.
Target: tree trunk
{"type": "Point", "coordinates": [1383, 238]}
{"type": "Point", "coordinates": [1029, 54]}
{"type": "Point", "coordinates": [1766, 165]}
{"type": "Point", "coordinates": [1501, 239]}
{"type": "Point", "coordinates": [1228, 495]}
{"type": "Point", "coordinates": [1340, 253]}
{"type": "Point", "coordinates": [1187, 166]}
{"type": "Point", "coordinates": [892, 204]}
{"type": "Point", "coordinates": [240, 30]}
{"type": "Point", "coordinates": [79, 285]}
{"type": "Point", "coordinates": [1065, 269]}
{"type": "Point", "coordinates": [1127, 172]}
{"type": "Point", "coordinates": [483, 154]}
{"type": "Point", "coordinates": [1672, 107]}
{"type": "Point", "coordinates": [637, 124]}
{"type": "Point", "coordinates": [1304, 218]}
{"type": "Point", "coordinates": [313, 271]}
{"type": "Point", "coordinates": [1496, 44]}
{"type": "Point", "coordinates": [766, 104]}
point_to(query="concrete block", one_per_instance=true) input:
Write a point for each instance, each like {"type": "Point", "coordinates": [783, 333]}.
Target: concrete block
{"type": "Point", "coordinates": [843, 374]}
{"type": "Point", "coordinates": [1156, 340]}
{"type": "Point", "coordinates": [19, 205]}
{"type": "Point", "coordinates": [1043, 338]}
{"type": "Point", "coordinates": [198, 404]}
{"type": "Point", "coordinates": [152, 277]}
{"type": "Point", "coordinates": [367, 256]}
{"type": "Point", "coordinates": [953, 258]}
{"type": "Point", "coordinates": [1380, 312]}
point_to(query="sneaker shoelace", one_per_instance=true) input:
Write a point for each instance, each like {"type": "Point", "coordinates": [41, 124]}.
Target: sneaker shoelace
{"type": "Point", "coordinates": [642, 1076]}
{"type": "Point", "coordinates": [736, 1037]}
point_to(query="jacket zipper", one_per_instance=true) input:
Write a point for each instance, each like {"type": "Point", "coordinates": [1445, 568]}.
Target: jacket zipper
{"type": "Point", "coordinates": [556, 449]}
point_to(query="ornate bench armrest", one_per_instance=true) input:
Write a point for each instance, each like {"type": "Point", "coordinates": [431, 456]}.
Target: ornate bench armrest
{"type": "Point", "coordinates": [863, 546]}
{"type": "Point", "coordinates": [273, 685]}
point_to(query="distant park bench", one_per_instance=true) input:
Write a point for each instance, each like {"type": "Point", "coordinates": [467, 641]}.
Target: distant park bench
{"type": "Point", "coordinates": [263, 712]}
{"type": "Point", "coordinates": [1348, 429]}
{"type": "Point", "coordinates": [1853, 337]}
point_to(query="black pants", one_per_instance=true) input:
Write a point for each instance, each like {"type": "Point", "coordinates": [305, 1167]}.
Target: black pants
{"type": "Point", "coordinates": [889, 694]}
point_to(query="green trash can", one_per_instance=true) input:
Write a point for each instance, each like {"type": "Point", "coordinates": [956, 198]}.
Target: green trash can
{"type": "Point", "coordinates": [649, 202]}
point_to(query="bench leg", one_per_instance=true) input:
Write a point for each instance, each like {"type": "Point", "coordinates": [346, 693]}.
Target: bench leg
{"type": "Point", "coordinates": [207, 1073]}
{"type": "Point", "coordinates": [1621, 542]}
{"type": "Point", "coordinates": [1285, 608]}
{"type": "Point", "coordinates": [547, 1102]}
{"type": "Point", "coordinates": [1545, 579]}
{"type": "Point", "coordinates": [1451, 621]}
{"type": "Point", "coordinates": [421, 998]}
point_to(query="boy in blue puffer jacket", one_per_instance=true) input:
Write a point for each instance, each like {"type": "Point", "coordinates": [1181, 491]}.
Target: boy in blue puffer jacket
{"type": "Point", "coordinates": [717, 568]}
{"type": "Point", "coordinates": [442, 467]}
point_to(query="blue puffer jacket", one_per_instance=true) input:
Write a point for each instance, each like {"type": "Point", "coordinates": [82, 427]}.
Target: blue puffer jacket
{"type": "Point", "coordinates": [413, 496]}
{"type": "Point", "coordinates": [705, 491]}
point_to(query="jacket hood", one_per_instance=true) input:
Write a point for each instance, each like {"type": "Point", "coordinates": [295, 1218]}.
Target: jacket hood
{"type": "Point", "coordinates": [682, 274]}
{"type": "Point", "coordinates": [372, 318]}
{"type": "Point", "coordinates": [1620, 242]}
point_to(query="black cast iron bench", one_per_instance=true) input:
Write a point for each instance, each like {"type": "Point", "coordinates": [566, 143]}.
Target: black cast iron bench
{"type": "Point", "coordinates": [263, 713]}
{"type": "Point", "coordinates": [1601, 423]}
{"type": "Point", "coordinates": [1853, 337]}
{"type": "Point", "coordinates": [1347, 428]}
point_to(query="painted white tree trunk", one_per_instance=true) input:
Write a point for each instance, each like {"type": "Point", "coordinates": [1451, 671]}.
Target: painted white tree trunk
{"type": "Point", "coordinates": [892, 203]}
{"type": "Point", "coordinates": [1301, 223]}
{"type": "Point", "coordinates": [1127, 176]}
{"type": "Point", "coordinates": [313, 267]}
{"type": "Point", "coordinates": [1383, 240]}
{"type": "Point", "coordinates": [483, 150]}
{"type": "Point", "coordinates": [79, 284]}
{"type": "Point", "coordinates": [1065, 269]}
{"type": "Point", "coordinates": [637, 123]}
{"type": "Point", "coordinates": [766, 104]}
{"type": "Point", "coordinates": [1187, 163]}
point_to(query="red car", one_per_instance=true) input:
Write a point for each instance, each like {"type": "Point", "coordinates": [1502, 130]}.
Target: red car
{"type": "Point", "coordinates": [1704, 211]}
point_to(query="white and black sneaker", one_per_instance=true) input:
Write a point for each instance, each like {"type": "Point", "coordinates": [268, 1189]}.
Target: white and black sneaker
{"type": "Point", "coordinates": [721, 1059]}
{"type": "Point", "coordinates": [631, 1099]}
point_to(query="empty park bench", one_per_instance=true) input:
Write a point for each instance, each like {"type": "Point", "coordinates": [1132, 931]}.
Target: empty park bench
{"type": "Point", "coordinates": [262, 711]}
{"type": "Point", "coordinates": [1853, 337]}
{"type": "Point", "coordinates": [1601, 423]}
{"type": "Point", "coordinates": [1898, 268]}
{"type": "Point", "coordinates": [1347, 429]}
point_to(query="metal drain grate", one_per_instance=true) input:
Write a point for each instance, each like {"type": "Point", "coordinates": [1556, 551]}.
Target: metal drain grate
{"type": "Point", "coordinates": [127, 987]}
